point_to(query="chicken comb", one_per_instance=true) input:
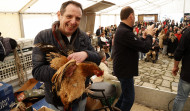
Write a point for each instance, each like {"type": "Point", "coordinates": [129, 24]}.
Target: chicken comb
{"type": "Point", "coordinates": [98, 73]}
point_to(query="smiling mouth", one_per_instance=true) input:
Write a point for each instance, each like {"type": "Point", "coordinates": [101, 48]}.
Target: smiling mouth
{"type": "Point", "coordinates": [70, 27]}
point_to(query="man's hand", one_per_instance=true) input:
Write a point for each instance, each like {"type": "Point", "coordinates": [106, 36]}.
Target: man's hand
{"type": "Point", "coordinates": [78, 56]}
{"type": "Point", "coordinates": [150, 30]}
{"type": "Point", "coordinates": [175, 70]}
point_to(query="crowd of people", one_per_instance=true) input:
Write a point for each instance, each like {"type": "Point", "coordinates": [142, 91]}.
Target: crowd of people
{"type": "Point", "coordinates": [166, 39]}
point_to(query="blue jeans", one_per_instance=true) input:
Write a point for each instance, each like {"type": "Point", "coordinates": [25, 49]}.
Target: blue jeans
{"type": "Point", "coordinates": [80, 106]}
{"type": "Point", "coordinates": [182, 95]}
{"type": "Point", "coordinates": [141, 55]}
{"type": "Point", "coordinates": [126, 99]}
{"type": "Point", "coordinates": [164, 51]}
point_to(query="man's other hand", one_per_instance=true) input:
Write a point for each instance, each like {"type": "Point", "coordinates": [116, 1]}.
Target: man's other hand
{"type": "Point", "coordinates": [175, 70]}
{"type": "Point", "coordinates": [150, 30]}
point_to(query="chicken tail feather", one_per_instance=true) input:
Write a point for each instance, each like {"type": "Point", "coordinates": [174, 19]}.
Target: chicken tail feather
{"type": "Point", "coordinates": [45, 47]}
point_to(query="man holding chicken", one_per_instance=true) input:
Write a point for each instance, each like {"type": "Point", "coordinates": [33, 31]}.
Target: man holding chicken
{"type": "Point", "coordinates": [66, 36]}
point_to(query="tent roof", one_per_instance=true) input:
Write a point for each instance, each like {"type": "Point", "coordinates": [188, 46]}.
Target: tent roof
{"type": "Point", "coordinates": [52, 6]}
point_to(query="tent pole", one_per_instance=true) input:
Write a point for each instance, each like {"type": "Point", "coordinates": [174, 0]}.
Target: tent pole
{"type": "Point", "coordinates": [184, 7]}
{"type": "Point", "coordinates": [21, 25]}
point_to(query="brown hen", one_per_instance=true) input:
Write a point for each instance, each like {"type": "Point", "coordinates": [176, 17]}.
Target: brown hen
{"type": "Point", "coordinates": [69, 80]}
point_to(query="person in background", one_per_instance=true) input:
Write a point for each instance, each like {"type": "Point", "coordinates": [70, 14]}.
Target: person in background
{"type": "Point", "coordinates": [89, 35]}
{"type": "Point", "coordinates": [175, 29]}
{"type": "Point", "coordinates": [152, 51]}
{"type": "Point", "coordinates": [182, 53]}
{"type": "Point", "coordinates": [67, 30]}
{"type": "Point", "coordinates": [110, 33]}
{"type": "Point", "coordinates": [104, 66]}
{"type": "Point", "coordinates": [178, 35]}
{"type": "Point", "coordinates": [115, 27]}
{"type": "Point", "coordinates": [106, 31]}
{"type": "Point", "coordinates": [102, 30]}
{"type": "Point", "coordinates": [172, 45]}
{"type": "Point", "coordinates": [166, 29]}
{"type": "Point", "coordinates": [104, 40]}
{"type": "Point", "coordinates": [137, 30]}
{"type": "Point", "coordinates": [141, 54]}
{"type": "Point", "coordinates": [165, 44]}
{"type": "Point", "coordinates": [106, 50]}
{"type": "Point", "coordinates": [98, 31]}
{"type": "Point", "coordinates": [111, 42]}
{"type": "Point", "coordinates": [161, 36]}
{"type": "Point", "coordinates": [125, 56]}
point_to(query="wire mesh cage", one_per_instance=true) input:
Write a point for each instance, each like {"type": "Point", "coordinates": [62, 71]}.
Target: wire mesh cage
{"type": "Point", "coordinates": [8, 70]}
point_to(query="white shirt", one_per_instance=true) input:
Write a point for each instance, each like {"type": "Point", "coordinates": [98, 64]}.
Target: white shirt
{"type": "Point", "coordinates": [69, 38]}
{"type": "Point", "coordinates": [103, 39]}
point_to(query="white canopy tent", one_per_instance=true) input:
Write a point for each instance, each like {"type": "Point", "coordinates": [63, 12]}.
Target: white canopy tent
{"type": "Point", "coordinates": [25, 18]}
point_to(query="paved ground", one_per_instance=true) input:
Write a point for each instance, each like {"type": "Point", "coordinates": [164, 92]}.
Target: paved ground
{"type": "Point", "coordinates": [140, 107]}
{"type": "Point", "coordinates": [154, 75]}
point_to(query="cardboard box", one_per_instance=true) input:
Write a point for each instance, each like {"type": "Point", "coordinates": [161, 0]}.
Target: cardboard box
{"type": "Point", "coordinates": [28, 93]}
{"type": "Point", "coordinates": [28, 85]}
{"type": "Point", "coordinates": [40, 104]}
{"type": "Point", "coordinates": [7, 100]}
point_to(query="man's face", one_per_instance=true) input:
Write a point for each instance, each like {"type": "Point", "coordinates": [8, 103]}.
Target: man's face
{"type": "Point", "coordinates": [170, 28]}
{"type": "Point", "coordinates": [70, 19]}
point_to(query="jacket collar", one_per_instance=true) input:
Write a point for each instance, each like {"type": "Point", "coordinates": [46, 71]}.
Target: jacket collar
{"type": "Point", "coordinates": [125, 25]}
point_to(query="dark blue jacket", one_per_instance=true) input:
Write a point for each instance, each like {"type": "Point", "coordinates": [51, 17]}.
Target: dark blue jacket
{"type": "Point", "coordinates": [41, 68]}
{"type": "Point", "coordinates": [125, 53]}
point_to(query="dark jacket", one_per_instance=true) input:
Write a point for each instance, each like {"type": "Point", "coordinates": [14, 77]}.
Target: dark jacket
{"type": "Point", "coordinates": [165, 41]}
{"type": "Point", "coordinates": [41, 68]}
{"type": "Point", "coordinates": [126, 48]}
{"type": "Point", "coordinates": [2, 49]}
{"type": "Point", "coordinates": [172, 44]}
{"type": "Point", "coordinates": [6, 46]}
{"type": "Point", "coordinates": [98, 32]}
{"type": "Point", "coordinates": [183, 52]}
{"type": "Point", "coordinates": [156, 46]}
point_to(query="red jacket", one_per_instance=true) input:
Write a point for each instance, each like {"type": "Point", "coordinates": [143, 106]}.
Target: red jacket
{"type": "Point", "coordinates": [178, 36]}
{"type": "Point", "coordinates": [165, 30]}
{"type": "Point", "coordinates": [137, 30]}
{"type": "Point", "coordinates": [164, 22]}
